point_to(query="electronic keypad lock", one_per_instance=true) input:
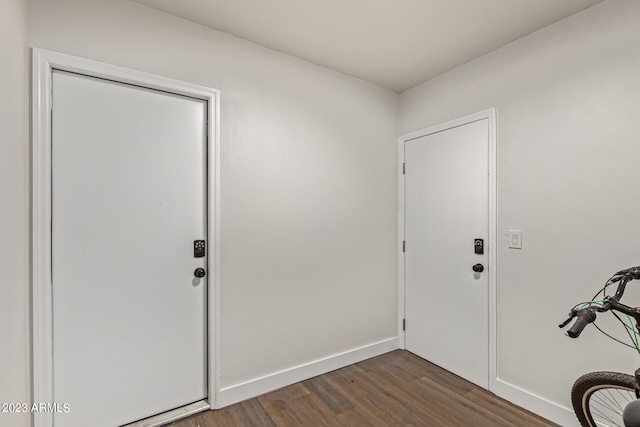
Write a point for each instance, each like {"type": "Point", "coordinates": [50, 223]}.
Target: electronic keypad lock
{"type": "Point", "coordinates": [478, 245]}
{"type": "Point", "coordinates": [199, 248]}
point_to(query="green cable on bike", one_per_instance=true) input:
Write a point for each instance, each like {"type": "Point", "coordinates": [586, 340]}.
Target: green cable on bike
{"type": "Point", "coordinates": [600, 301]}
{"type": "Point", "coordinates": [635, 333]}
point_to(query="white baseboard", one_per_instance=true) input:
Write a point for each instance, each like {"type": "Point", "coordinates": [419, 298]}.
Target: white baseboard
{"type": "Point", "coordinates": [247, 390]}
{"type": "Point", "coordinates": [536, 404]}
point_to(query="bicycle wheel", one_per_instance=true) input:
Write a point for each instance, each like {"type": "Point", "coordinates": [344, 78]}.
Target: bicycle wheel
{"type": "Point", "coordinates": [600, 397]}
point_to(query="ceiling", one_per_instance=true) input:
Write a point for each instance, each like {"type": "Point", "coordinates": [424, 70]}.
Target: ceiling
{"type": "Point", "coordinates": [396, 44]}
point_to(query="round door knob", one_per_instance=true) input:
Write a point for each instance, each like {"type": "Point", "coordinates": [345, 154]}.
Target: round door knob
{"type": "Point", "coordinates": [478, 268]}
{"type": "Point", "coordinates": [199, 272]}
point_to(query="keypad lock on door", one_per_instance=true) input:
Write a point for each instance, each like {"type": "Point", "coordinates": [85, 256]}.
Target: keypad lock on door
{"type": "Point", "coordinates": [478, 245]}
{"type": "Point", "coordinates": [199, 248]}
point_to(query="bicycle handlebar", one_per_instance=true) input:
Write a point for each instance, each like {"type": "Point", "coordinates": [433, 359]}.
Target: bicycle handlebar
{"type": "Point", "coordinates": [588, 315]}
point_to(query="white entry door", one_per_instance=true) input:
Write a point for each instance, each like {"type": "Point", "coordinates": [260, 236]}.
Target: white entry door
{"type": "Point", "coordinates": [129, 196]}
{"type": "Point", "coordinates": [446, 210]}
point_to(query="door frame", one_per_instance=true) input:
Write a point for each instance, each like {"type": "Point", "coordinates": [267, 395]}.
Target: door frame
{"type": "Point", "coordinates": [491, 116]}
{"type": "Point", "coordinates": [44, 62]}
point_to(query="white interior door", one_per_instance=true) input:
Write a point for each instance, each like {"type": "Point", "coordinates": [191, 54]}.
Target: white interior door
{"type": "Point", "coordinates": [128, 200]}
{"type": "Point", "coordinates": [446, 209]}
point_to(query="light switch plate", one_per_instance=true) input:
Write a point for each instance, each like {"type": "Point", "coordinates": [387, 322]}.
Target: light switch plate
{"type": "Point", "coordinates": [515, 239]}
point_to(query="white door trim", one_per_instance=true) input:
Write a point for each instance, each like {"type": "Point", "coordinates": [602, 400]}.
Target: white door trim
{"type": "Point", "coordinates": [490, 116]}
{"type": "Point", "coordinates": [44, 62]}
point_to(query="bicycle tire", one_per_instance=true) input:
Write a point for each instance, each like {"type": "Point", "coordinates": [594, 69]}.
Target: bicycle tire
{"type": "Point", "coordinates": [601, 397]}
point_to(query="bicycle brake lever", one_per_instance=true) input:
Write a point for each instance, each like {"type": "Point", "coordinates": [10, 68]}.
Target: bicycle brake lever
{"type": "Point", "coordinates": [566, 322]}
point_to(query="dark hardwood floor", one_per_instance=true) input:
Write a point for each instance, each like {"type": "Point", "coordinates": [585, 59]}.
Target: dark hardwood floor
{"type": "Point", "coordinates": [395, 389]}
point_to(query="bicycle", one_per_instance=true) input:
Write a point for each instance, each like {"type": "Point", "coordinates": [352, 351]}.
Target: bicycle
{"type": "Point", "coordinates": [607, 398]}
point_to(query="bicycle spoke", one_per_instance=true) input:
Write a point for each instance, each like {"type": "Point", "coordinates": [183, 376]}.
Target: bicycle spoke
{"type": "Point", "coordinates": [600, 417]}
{"type": "Point", "coordinates": [607, 404]}
{"type": "Point", "coordinates": [604, 417]}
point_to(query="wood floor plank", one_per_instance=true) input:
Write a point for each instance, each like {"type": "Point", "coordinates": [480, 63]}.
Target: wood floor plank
{"type": "Point", "coordinates": [395, 366]}
{"type": "Point", "coordinates": [281, 413]}
{"type": "Point", "coordinates": [226, 417]}
{"type": "Point", "coordinates": [332, 398]}
{"type": "Point", "coordinates": [424, 408]}
{"type": "Point", "coordinates": [460, 411]}
{"type": "Point", "coordinates": [312, 412]}
{"type": "Point", "coordinates": [503, 409]}
{"type": "Point", "coordinates": [395, 389]}
{"type": "Point", "coordinates": [354, 417]}
{"type": "Point", "coordinates": [370, 406]}
{"type": "Point", "coordinates": [253, 411]}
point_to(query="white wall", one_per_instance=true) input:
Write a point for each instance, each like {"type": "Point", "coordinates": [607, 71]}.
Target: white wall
{"type": "Point", "coordinates": [308, 186]}
{"type": "Point", "coordinates": [308, 190]}
{"type": "Point", "coordinates": [14, 231]}
{"type": "Point", "coordinates": [568, 101]}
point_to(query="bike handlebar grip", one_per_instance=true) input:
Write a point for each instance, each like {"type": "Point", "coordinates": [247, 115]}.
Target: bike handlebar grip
{"type": "Point", "coordinates": [584, 317]}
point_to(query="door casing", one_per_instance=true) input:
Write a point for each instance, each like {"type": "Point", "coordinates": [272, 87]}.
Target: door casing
{"type": "Point", "coordinates": [44, 62]}
{"type": "Point", "coordinates": [490, 116]}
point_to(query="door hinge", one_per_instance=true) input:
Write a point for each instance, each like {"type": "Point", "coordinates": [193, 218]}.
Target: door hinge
{"type": "Point", "coordinates": [404, 324]}
{"type": "Point", "coordinates": [404, 169]}
{"type": "Point", "coordinates": [404, 245]}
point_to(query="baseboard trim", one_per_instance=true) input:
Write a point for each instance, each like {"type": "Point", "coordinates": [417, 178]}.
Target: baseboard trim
{"type": "Point", "coordinates": [534, 403]}
{"type": "Point", "coordinates": [247, 390]}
